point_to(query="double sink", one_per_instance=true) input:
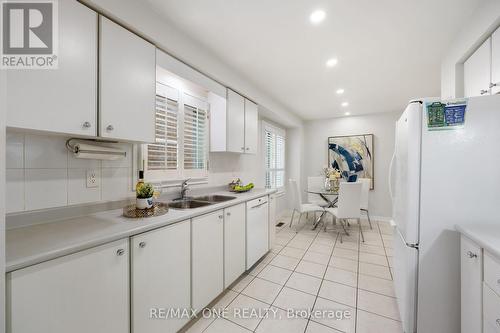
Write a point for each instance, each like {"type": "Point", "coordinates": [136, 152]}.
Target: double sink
{"type": "Point", "coordinates": [201, 201]}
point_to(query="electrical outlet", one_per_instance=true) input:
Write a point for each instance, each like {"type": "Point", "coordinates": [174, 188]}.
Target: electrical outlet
{"type": "Point", "coordinates": [92, 179]}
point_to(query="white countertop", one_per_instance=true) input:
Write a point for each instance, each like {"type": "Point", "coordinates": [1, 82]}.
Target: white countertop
{"type": "Point", "coordinates": [30, 245]}
{"type": "Point", "coordinates": [485, 235]}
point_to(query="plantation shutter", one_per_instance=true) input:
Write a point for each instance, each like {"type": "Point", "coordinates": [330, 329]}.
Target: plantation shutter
{"type": "Point", "coordinates": [274, 142]}
{"type": "Point", "coordinates": [195, 133]}
{"type": "Point", "coordinates": [163, 154]}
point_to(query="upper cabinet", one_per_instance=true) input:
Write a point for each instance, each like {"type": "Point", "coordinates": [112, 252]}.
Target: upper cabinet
{"type": "Point", "coordinates": [62, 100]}
{"type": "Point", "coordinates": [482, 69]}
{"type": "Point", "coordinates": [477, 71]}
{"type": "Point", "coordinates": [234, 124]}
{"type": "Point", "coordinates": [251, 127]}
{"type": "Point", "coordinates": [127, 73]}
{"type": "Point", "coordinates": [495, 62]}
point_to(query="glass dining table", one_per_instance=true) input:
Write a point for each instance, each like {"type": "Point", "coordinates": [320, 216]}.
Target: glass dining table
{"type": "Point", "coordinates": [330, 197]}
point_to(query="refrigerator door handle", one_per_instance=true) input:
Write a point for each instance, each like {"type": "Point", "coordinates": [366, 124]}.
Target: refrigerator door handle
{"type": "Point", "coordinates": [391, 193]}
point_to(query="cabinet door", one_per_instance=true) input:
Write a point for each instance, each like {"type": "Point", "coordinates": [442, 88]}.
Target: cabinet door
{"type": "Point", "coordinates": [491, 311]}
{"type": "Point", "coordinates": [62, 100]}
{"type": "Point", "coordinates": [235, 126]}
{"type": "Point", "coordinates": [251, 127]}
{"type": "Point", "coordinates": [272, 220]}
{"type": "Point", "coordinates": [79, 293]}
{"type": "Point", "coordinates": [161, 272]}
{"type": "Point", "coordinates": [495, 62]}
{"type": "Point", "coordinates": [477, 71]}
{"type": "Point", "coordinates": [471, 291]}
{"type": "Point", "coordinates": [234, 243]}
{"type": "Point", "coordinates": [207, 258]}
{"type": "Point", "coordinates": [127, 72]}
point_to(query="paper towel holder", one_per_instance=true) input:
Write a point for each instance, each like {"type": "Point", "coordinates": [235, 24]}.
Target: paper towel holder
{"type": "Point", "coordinates": [88, 149]}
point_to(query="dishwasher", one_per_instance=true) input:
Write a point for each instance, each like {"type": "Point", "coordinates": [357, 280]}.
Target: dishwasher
{"type": "Point", "coordinates": [257, 230]}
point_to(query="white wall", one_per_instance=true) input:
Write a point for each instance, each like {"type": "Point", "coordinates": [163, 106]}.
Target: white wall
{"type": "Point", "coordinates": [474, 32]}
{"type": "Point", "coordinates": [381, 125]}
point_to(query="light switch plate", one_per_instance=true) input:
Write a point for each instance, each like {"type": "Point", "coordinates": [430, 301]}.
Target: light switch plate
{"type": "Point", "coordinates": [92, 178]}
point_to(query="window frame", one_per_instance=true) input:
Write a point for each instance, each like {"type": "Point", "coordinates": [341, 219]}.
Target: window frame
{"type": "Point", "coordinates": [268, 127]}
{"type": "Point", "coordinates": [183, 97]}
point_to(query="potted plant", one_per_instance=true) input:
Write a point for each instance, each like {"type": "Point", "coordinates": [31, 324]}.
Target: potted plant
{"type": "Point", "coordinates": [144, 196]}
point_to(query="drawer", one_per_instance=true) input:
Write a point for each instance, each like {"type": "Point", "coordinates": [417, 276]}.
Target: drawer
{"type": "Point", "coordinates": [492, 272]}
{"type": "Point", "coordinates": [257, 202]}
{"type": "Point", "coordinates": [491, 310]}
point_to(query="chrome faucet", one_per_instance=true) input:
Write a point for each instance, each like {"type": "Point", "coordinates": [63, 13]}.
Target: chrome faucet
{"type": "Point", "coordinates": [184, 188]}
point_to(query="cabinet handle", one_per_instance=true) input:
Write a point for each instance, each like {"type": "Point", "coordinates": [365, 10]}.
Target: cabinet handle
{"type": "Point", "coordinates": [142, 245]}
{"type": "Point", "coordinates": [484, 92]}
{"type": "Point", "coordinates": [242, 148]}
{"type": "Point", "coordinates": [471, 255]}
{"type": "Point", "coordinates": [498, 281]}
{"type": "Point", "coordinates": [493, 84]}
{"type": "Point", "coordinates": [87, 124]}
{"type": "Point", "coordinates": [221, 216]}
{"type": "Point", "coordinates": [228, 214]}
{"type": "Point", "coordinates": [110, 128]}
{"type": "Point", "coordinates": [247, 148]}
{"type": "Point", "coordinates": [498, 322]}
{"type": "Point", "coordinates": [120, 252]}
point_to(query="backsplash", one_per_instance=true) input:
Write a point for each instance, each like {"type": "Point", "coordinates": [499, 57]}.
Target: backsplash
{"type": "Point", "coordinates": [41, 173]}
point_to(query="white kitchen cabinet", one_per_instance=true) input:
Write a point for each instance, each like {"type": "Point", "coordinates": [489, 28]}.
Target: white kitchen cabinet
{"type": "Point", "coordinates": [495, 62]}
{"type": "Point", "coordinates": [477, 71]}
{"type": "Point", "coordinates": [272, 220]}
{"type": "Point", "coordinates": [60, 100]}
{"type": "Point", "coordinates": [257, 230]}
{"type": "Point", "coordinates": [234, 243]}
{"type": "Point", "coordinates": [233, 124]}
{"type": "Point", "coordinates": [84, 292]}
{"type": "Point", "coordinates": [491, 304]}
{"type": "Point", "coordinates": [127, 74]}
{"type": "Point", "coordinates": [471, 286]}
{"type": "Point", "coordinates": [207, 265]}
{"type": "Point", "coordinates": [161, 272]}
{"type": "Point", "coordinates": [251, 127]}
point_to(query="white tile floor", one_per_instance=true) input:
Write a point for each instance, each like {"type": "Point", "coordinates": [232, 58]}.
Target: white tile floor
{"type": "Point", "coordinates": [313, 270]}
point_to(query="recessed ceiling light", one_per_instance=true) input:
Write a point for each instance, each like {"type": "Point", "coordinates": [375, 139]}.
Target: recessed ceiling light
{"type": "Point", "coordinates": [331, 62]}
{"type": "Point", "coordinates": [344, 104]}
{"type": "Point", "coordinates": [347, 113]}
{"type": "Point", "coordinates": [340, 91]}
{"type": "Point", "coordinates": [317, 16]}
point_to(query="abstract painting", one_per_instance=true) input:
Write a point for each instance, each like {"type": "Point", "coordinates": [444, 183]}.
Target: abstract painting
{"type": "Point", "coordinates": [352, 154]}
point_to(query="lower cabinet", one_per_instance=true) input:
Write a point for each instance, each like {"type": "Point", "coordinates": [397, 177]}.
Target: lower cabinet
{"type": "Point", "coordinates": [161, 271]}
{"type": "Point", "coordinates": [80, 293]}
{"type": "Point", "coordinates": [272, 220]}
{"type": "Point", "coordinates": [234, 243]}
{"type": "Point", "coordinates": [471, 285]}
{"type": "Point", "coordinates": [207, 264]}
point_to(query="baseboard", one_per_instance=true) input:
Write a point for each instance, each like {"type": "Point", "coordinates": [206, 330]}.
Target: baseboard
{"type": "Point", "coordinates": [385, 219]}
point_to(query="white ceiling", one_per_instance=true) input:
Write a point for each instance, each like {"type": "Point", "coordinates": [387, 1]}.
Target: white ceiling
{"type": "Point", "coordinates": [389, 51]}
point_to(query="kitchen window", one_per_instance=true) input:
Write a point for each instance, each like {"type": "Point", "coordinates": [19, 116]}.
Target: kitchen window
{"type": "Point", "coordinates": [181, 136]}
{"type": "Point", "coordinates": [274, 151]}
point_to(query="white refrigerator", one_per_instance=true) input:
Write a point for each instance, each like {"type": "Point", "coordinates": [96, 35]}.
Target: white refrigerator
{"type": "Point", "coordinates": [439, 178]}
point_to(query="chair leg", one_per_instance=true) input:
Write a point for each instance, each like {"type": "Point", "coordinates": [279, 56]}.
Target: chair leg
{"type": "Point", "coordinates": [361, 231]}
{"type": "Point", "coordinates": [300, 217]}
{"type": "Point", "coordinates": [291, 220]}
{"type": "Point", "coordinates": [369, 221]}
{"type": "Point", "coordinates": [343, 226]}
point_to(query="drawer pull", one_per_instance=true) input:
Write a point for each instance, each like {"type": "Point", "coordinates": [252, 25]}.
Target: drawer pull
{"type": "Point", "coordinates": [142, 245]}
{"type": "Point", "coordinates": [498, 281]}
{"type": "Point", "coordinates": [120, 252]}
{"type": "Point", "coordinates": [498, 322]}
{"type": "Point", "coordinates": [471, 254]}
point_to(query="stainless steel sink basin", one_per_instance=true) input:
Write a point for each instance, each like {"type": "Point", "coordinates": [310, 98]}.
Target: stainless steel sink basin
{"type": "Point", "coordinates": [214, 198]}
{"type": "Point", "coordinates": [188, 204]}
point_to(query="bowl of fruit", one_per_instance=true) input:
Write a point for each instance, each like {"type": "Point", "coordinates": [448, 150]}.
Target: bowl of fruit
{"type": "Point", "coordinates": [238, 187]}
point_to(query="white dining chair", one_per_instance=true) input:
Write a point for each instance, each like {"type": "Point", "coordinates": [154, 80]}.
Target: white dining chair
{"type": "Point", "coordinates": [298, 206]}
{"type": "Point", "coordinates": [348, 205]}
{"type": "Point", "coordinates": [365, 194]}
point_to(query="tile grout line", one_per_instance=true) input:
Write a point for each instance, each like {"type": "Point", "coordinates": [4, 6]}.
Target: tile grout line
{"type": "Point", "coordinates": [322, 280]}
{"type": "Point", "coordinates": [293, 271]}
